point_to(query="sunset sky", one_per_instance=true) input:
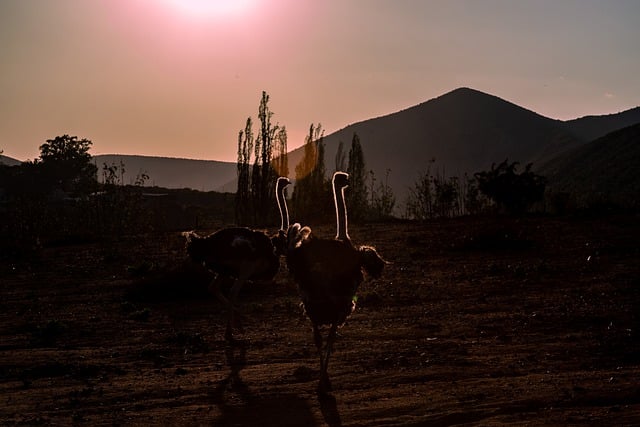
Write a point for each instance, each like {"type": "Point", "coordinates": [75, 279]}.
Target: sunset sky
{"type": "Point", "coordinates": [179, 78]}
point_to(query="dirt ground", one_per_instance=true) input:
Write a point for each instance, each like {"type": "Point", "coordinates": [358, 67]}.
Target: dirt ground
{"type": "Point", "coordinates": [475, 321]}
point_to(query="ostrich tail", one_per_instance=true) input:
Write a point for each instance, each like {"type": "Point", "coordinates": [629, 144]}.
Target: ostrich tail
{"type": "Point", "coordinates": [371, 261]}
{"type": "Point", "coordinates": [193, 245]}
{"type": "Point", "coordinates": [189, 235]}
{"type": "Point", "coordinates": [293, 234]}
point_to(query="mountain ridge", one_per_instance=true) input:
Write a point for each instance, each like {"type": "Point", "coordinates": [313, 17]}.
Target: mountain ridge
{"type": "Point", "coordinates": [464, 130]}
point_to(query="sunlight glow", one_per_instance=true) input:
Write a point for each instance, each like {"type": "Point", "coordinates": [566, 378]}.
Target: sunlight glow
{"type": "Point", "coordinates": [211, 8]}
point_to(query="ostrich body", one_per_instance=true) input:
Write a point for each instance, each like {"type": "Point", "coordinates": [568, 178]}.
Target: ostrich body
{"type": "Point", "coordinates": [328, 273]}
{"type": "Point", "coordinates": [240, 254]}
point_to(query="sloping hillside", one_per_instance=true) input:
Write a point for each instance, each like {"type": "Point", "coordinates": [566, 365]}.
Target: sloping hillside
{"type": "Point", "coordinates": [607, 169]}
{"type": "Point", "coordinates": [590, 128]}
{"type": "Point", "coordinates": [8, 161]}
{"type": "Point", "coordinates": [203, 175]}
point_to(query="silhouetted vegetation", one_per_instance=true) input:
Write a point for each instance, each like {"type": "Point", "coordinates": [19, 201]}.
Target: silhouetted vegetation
{"type": "Point", "coordinates": [256, 180]}
{"type": "Point", "coordinates": [66, 165]}
{"type": "Point", "coordinates": [500, 190]}
{"type": "Point", "coordinates": [40, 196]}
{"type": "Point", "coordinates": [510, 191]}
{"type": "Point", "coordinates": [434, 195]}
{"type": "Point", "coordinates": [357, 195]}
{"type": "Point", "coordinates": [243, 197]}
{"type": "Point", "coordinates": [312, 194]}
{"type": "Point", "coordinates": [383, 201]}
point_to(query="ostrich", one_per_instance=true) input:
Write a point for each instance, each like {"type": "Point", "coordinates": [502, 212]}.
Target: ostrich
{"type": "Point", "coordinates": [241, 254]}
{"type": "Point", "coordinates": [328, 273]}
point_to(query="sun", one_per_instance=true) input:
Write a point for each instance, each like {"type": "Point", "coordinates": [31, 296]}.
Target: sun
{"type": "Point", "coordinates": [211, 8]}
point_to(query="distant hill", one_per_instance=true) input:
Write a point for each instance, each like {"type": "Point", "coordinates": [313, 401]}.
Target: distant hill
{"type": "Point", "coordinates": [8, 161]}
{"type": "Point", "coordinates": [202, 175]}
{"type": "Point", "coordinates": [590, 128]}
{"type": "Point", "coordinates": [167, 172]}
{"type": "Point", "coordinates": [607, 169]}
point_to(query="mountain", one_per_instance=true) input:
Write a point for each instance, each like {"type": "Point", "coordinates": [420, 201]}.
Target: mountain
{"type": "Point", "coordinates": [607, 169]}
{"type": "Point", "coordinates": [590, 128]}
{"type": "Point", "coordinates": [465, 131]}
{"type": "Point", "coordinates": [203, 175]}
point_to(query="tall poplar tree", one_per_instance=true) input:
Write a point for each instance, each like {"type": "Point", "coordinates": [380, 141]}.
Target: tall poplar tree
{"type": "Point", "coordinates": [341, 163]}
{"type": "Point", "coordinates": [281, 159]}
{"type": "Point", "coordinates": [357, 196]}
{"type": "Point", "coordinates": [256, 182]}
{"type": "Point", "coordinates": [243, 199]}
{"type": "Point", "coordinates": [310, 198]}
{"type": "Point", "coordinates": [267, 175]}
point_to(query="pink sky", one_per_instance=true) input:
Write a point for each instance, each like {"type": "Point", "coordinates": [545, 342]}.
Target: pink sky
{"type": "Point", "coordinates": [150, 77]}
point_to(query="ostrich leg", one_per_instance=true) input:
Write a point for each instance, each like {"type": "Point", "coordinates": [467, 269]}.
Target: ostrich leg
{"type": "Point", "coordinates": [325, 383]}
{"type": "Point", "coordinates": [329, 345]}
{"type": "Point", "coordinates": [214, 288]}
{"type": "Point", "coordinates": [235, 316]}
{"type": "Point", "coordinates": [317, 337]}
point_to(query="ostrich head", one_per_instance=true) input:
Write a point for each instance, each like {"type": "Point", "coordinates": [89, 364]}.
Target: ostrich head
{"type": "Point", "coordinates": [340, 180]}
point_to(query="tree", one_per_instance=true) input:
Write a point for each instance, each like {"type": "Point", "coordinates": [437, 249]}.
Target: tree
{"type": "Point", "coordinates": [243, 199]}
{"type": "Point", "coordinates": [256, 182]}
{"type": "Point", "coordinates": [265, 175]}
{"type": "Point", "coordinates": [66, 164]}
{"type": "Point", "coordinates": [281, 161]}
{"type": "Point", "coordinates": [341, 164]}
{"type": "Point", "coordinates": [357, 196]}
{"type": "Point", "coordinates": [511, 191]}
{"type": "Point", "coordinates": [311, 194]}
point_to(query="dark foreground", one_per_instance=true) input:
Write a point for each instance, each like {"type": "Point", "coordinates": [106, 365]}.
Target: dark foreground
{"type": "Point", "coordinates": [477, 322]}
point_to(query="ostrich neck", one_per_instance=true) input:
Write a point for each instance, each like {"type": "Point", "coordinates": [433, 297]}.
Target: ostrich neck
{"type": "Point", "coordinates": [284, 212]}
{"type": "Point", "coordinates": [341, 214]}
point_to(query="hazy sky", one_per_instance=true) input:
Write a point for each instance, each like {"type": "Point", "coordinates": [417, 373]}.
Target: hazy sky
{"type": "Point", "coordinates": [179, 78]}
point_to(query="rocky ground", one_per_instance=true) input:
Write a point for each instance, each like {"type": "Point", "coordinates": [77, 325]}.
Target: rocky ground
{"type": "Point", "coordinates": [475, 321]}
